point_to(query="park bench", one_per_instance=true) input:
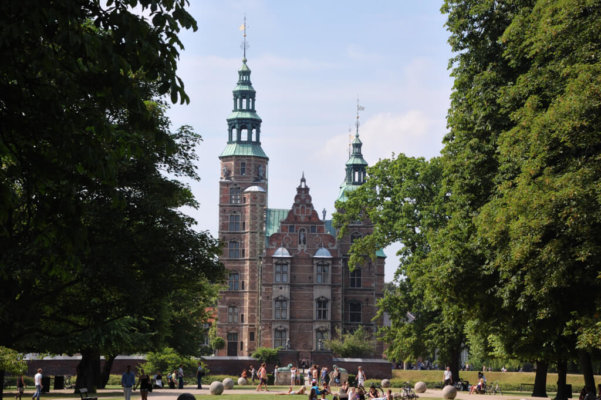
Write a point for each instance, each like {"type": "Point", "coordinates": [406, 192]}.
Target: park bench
{"type": "Point", "coordinates": [83, 393]}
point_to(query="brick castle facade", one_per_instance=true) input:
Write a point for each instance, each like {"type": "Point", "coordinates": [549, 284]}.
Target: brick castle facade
{"type": "Point", "coordinates": [289, 284]}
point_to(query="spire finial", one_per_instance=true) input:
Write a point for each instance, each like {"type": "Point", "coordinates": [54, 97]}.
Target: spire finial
{"type": "Point", "coordinates": [359, 108]}
{"type": "Point", "coordinates": [244, 43]}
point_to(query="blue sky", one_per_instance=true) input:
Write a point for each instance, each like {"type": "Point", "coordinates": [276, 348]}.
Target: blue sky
{"type": "Point", "coordinates": [310, 61]}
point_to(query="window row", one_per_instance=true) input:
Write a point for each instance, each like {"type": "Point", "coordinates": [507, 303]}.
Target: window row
{"type": "Point", "coordinates": [280, 338]}
{"type": "Point", "coordinates": [234, 250]}
{"type": "Point", "coordinates": [280, 311]}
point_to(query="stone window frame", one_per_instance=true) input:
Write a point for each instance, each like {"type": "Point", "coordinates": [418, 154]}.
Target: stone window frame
{"type": "Point", "coordinates": [234, 222]}
{"type": "Point", "coordinates": [232, 314]}
{"type": "Point", "coordinates": [235, 195]}
{"type": "Point", "coordinates": [321, 308]}
{"type": "Point", "coordinates": [284, 276]}
{"type": "Point", "coordinates": [242, 168]}
{"type": "Point", "coordinates": [233, 280]}
{"type": "Point", "coordinates": [355, 278]}
{"type": "Point", "coordinates": [353, 313]}
{"type": "Point", "coordinates": [280, 308]}
{"type": "Point", "coordinates": [234, 249]}
{"type": "Point", "coordinates": [280, 337]}
{"type": "Point", "coordinates": [326, 276]}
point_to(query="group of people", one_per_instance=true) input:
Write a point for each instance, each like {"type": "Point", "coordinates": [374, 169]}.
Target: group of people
{"type": "Point", "coordinates": [145, 383]}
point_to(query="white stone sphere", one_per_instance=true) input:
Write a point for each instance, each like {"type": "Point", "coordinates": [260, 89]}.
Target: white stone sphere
{"type": "Point", "coordinates": [242, 381]}
{"type": "Point", "coordinates": [228, 383]}
{"type": "Point", "coordinates": [449, 392]}
{"type": "Point", "coordinates": [385, 383]}
{"type": "Point", "coordinates": [420, 387]}
{"type": "Point", "coordinates": [216, 388]}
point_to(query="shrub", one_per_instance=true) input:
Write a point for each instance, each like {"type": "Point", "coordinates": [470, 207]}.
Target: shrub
{"type": "Point", "coordinates": [167, 360]}
{"type": "Point", "coordinates": [267, 355]}
{"type": "Point", "coordinates": [356, 344]}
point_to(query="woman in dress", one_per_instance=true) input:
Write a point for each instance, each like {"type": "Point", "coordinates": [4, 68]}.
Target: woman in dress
{"type": "Point", "coordinates": [144, 384]}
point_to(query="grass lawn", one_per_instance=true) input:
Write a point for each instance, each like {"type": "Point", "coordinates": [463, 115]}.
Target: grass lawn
{"type": "Point", "coordinates": [267, 396]}
{"type": "Point", "coordinates": [505, 379]}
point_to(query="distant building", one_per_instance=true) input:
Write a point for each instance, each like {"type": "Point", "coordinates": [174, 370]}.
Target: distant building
{"type": "Point", "coordinates": [289, 283]}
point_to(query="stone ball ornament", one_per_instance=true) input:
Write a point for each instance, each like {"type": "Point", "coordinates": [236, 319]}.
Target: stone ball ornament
{"type": "Point", "coordinates": [216, 388]}
{"type": "Point", "coordinates": [449, 392]}
{"type": "Point", "coordinates": [420, 387]}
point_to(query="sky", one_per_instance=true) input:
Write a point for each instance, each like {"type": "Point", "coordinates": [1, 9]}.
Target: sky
{"type": "Point", "coordinates": [310, 61]}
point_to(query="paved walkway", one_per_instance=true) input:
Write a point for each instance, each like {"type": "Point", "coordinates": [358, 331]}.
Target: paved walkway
{"type": "Point", "coordinates": [171, 394]}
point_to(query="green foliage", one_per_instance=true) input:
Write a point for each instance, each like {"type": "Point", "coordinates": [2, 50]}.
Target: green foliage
{"type": "Point", "coordinates": [352, 344]}
{"type": "Point", "coordinates": [11, 361]}
{"type": "Point", "coordinates": [218, 343]}
{"type": "Point", "coordinates": [267, 355]}
{"type": "Point", "coordinates": [168, 360]}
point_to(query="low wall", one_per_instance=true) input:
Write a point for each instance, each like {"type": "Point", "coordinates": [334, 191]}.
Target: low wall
{"type": "Point", "coordinates": [67, 365]}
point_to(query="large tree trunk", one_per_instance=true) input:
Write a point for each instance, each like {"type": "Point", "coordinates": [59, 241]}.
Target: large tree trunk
{"type": "Point", "coordinates": [455, 362]}
{"type": "Point", "coordinates": [587, 371]}
{"type": "Point", "coordinates": [106, 371]}
{"type": "Point", "coordinates": [88, 370]}
{"type": "Point", "coordinates": [562, 372]}
{"type": "Point", "coordinates": [540, 379]}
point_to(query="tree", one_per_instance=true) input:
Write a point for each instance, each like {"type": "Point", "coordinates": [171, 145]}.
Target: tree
{"type": "Point", "coordinates": [98, 258]}
{"type": "Point", "coordinates": [167, 360]}
{"type": "Point", "coordinates": [543, 223]}
{"type": "Point", "coordinates": [402, 198]}
{"type": "Point", "coordinates": [357, 344]}
{"type": "Point", "coordinates": [11, 362]}
{"type": "Point", "coordinates": [266, 355]}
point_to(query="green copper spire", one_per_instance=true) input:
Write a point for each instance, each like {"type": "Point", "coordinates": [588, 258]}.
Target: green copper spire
{"type": "Point", "coordinates": [244, 125]}
{"type": "Point", "coordinates": [356, 165]}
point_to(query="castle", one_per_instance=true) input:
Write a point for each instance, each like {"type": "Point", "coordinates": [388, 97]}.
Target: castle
{"type": "Point", "coordinates": [289, 284]}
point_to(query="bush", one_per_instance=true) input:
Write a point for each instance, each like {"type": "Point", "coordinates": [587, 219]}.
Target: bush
{"type": "Point", "coordinates": [357, 344]}
{"type": "Point", "coordinates": [167, 360]}
{"type": "Point", "coordinates": [267, 355]}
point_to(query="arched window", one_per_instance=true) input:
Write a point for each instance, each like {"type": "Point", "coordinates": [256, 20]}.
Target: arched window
{"type": "Point", "coordinates": [242, 168]}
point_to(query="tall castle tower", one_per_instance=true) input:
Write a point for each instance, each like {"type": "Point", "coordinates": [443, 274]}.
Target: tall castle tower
{"type": "Point", "coordinates": [242, 206]}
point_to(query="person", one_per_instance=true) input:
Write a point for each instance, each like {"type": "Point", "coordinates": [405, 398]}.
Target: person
{"type": "Point", "coordinates": [128, 380]}
{"type": "Point", "coordinates": [598, 392]}
{"type": "Point", "coordinates": [180, 376]}
{"type": "Point", "coordinates": [37, 380]}
{"type": "Point", "coordinates": [312, 394]}
{"type": "Point", "coordinates": [336, 376]}
{"type": "Point", "coordinates": [158, 380]}
{"type": "Point", "coordinates": [199, 374]}
{"type": "Point", "coordinates": [144, 384]}
{"type": "Point", "coordinates": [373, 392]}
{"type": "Point", "coordinates": [316, 389]}
{"type": "Point", "coordinates": [172, 379]}
{"type": "Point", "coordinates": [253, 373]}
{"type": "Point", "coordinates": [300, 390]}
{"type": "Point", "coordinates": [582, 394]}
{"type": "Point", "coordinates": [275, 375]}
{"type": "Point", "coordinates": [244, 374]}
{"type": "Point", "coordinates": [292, 375]}
{"type": "Point", "coordinates": [20, 387]}
{"type": "Point", "coordinates": [315, 372]}
{"type": "Point", "coordinates": [361, 377]}
{"type": "Point", "coordinates": [447, 376]}
{"type": "Point", "coordinates": [389, 395]}
{"type": "Point", "coordinates": [323, 374]}
{"type": "Point", "coordinates": [480, 385]}
{"type": "Point", "coordinates": [262, 375]}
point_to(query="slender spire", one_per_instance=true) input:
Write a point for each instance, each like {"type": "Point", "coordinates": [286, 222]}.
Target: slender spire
{"type": "Point", "coordinates": [244, 43]}
{"type": "Point", "coordinates": [359, 108]}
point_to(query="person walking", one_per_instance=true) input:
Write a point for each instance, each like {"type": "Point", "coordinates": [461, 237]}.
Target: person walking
{"type": "Point", "coordinates": [37, 380]}
{"type": "Point", "coordinates": [361, 377]}
{"type": "Point", "coordinates": [199, 374]}
{"type": "Point", "coordinates": [262, 378]}
{"type": "Point", "coordinates": [180, 376]}
{"type": "Point", "coordinates": [292, 375]}
{"type": "Point", "coordinates": [144, 384]}
{"type": "Point", "coordinates": [128, 380]}
{"type": "Point", "coordinates": [447, 376]}
{"type": "Point", "coordinates": [20, 387]}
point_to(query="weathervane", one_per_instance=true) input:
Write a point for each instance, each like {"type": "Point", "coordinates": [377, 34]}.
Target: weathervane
{"type": "Point", "coordinates": [359, 108]}
{"type": "Point", "coordinates": [244, 42]}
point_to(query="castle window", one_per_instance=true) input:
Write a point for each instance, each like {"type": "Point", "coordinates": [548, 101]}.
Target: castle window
{"type": "Point", "coordinates": [242, 168]}
{"type": "Point", "coordinates": [233, 249]}
{"type": "Point", "coordinates": [322, 273]}
{"type": "Point", "coordinates": [251, 336]}
{"type": "Point", "coordinates": [322, 308]}
{"type": "Point", "coordinates": [281, 272]}
{"type": "Point", "coordinates": [290, 228]}
{"type": "Point", "coordinates": [234, 280]}
{"type": "Point", "coordinates": [320, 337]}
{"type": "Point", "coordinates": [355, 278]}
{"type": "Point", "coordinates": [279, 338]}
{"type": "Point", "coordinates": [234, 225]}
{"type": "Point", "coordinates": [281, 308]}
{"type": "Point", "coordinates": [313, 228]}
{"type": "Point", "coordinates": [355, 312]}
{"type": "Point", "coordinates": [235, 195]}
{"type": "Point", "coordinates": [232, 314]}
